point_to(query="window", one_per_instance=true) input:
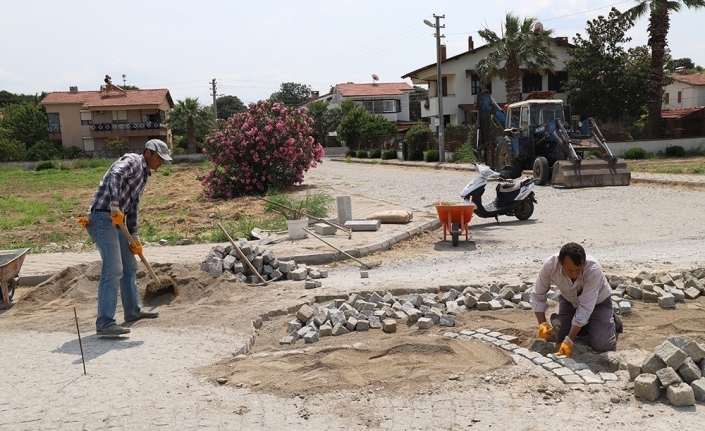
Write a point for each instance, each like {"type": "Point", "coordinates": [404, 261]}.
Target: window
{"type": "Point", "coordinates": [531, 82]}
{"type": "Point", "coordinates": [119, 117]}
{"type": "Point", "coordinates": [555, 81]}
{"type": "Point", "coordinates": [390, 105]}
{"type": "Point", "coordinates": [54, 123]}
{"type": "Point", "coordinates": [476, 85]}
{"type": "Point", "coordinates": [88, 144]}
{"type": "Point", "coordinates": [665, 98]}
{"type": "Point", "coordinates": [679, 97]}
{"type": "Point", "coordinates": [444, 86]}
{"type": "Point", "coordinates": [86, 118]}
{"type": "Point", "coordinates": [382, 106]}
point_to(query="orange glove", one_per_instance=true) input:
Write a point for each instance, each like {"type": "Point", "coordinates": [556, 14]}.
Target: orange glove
{"type": "Point", "coordinates": [566, 347]}
{"type": "Point", "coordinates": [137, 249]}
{"type": "Point", "coordinates": [83, 221]}
{"type": "Point", "coordinates": [116, 216]}
{"type": "Point", "coordinates": [546, 331]}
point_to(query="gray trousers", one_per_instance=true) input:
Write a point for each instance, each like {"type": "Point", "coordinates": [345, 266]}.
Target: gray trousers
{"type": "Point", "coordinates": [600, 327]}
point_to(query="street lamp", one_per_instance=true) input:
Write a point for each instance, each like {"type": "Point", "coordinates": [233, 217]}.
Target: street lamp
{"type": "Point", "coordinates": [439, 85]}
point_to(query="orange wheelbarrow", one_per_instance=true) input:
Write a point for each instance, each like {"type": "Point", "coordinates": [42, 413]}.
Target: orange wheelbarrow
{"type": "Point", "coordinates": [455, 219]}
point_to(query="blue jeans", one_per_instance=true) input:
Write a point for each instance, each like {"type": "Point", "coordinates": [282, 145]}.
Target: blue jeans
{"type": "Point", "coordinates": [119, 269]}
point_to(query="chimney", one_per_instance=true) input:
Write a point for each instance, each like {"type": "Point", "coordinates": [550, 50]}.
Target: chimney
{"type": "Point", "coordinates": [314, 95]}
{"type": "Point", "coordinates": [443, 52]}
{"type": "Point", "coordinates": [471, 44]}
{"type": "Point", "coordinates": [562, 39]}
{"type": "Point", "coordinates": [73, 89]}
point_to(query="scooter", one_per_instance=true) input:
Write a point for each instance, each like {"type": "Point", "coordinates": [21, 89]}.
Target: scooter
{"type": "Point", "coordinates": [514, 197]}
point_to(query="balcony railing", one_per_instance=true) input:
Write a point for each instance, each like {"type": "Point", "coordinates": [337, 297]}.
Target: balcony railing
{"type": "Point", "coordinates": [126, 127]}
{"type": "Point", "coordinates": [54, 129]}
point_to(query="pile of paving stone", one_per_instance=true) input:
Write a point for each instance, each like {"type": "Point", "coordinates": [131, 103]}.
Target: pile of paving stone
{"type": "Point", "coordinates": [428, 309]}
{"type": "Point", "coordinates": [676, 366]}
{"type": "Point", "coordinates": [663, 289]}
{"type": "Point", "coordinates": [227, 260]}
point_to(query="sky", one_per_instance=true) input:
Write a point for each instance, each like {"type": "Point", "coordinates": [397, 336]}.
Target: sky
{"type": "Point", "coordinates": [251, 47]}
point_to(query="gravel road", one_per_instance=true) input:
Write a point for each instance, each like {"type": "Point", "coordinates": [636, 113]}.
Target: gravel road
{"type": "Point", "coordinates": [628, 229]}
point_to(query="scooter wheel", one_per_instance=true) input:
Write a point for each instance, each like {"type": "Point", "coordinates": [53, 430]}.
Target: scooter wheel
{"type": "Point", "coordinates": [525, 210]}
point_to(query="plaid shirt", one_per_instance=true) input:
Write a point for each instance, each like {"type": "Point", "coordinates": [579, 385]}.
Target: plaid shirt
{"type": "Point", "coordinates": [123, 186]}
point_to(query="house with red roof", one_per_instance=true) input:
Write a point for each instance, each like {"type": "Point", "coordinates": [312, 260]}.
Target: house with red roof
{"type": "Point", "coordinates": [85, 119]}
{"type": "Point", "coordinates": [388, 99]}
{"type": "Point", "coordinates": [683, 107]}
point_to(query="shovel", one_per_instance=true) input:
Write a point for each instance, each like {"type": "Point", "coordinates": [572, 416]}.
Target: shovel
{"type": "Point", "coordinates": [156, 286]}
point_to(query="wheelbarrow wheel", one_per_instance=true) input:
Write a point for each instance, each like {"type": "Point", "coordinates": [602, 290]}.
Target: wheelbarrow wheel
{"type": "Point", "coordinates": [455, 233]}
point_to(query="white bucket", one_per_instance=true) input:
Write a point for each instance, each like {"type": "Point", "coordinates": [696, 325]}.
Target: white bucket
{"type": "Point", "coordinates": [296, 228]}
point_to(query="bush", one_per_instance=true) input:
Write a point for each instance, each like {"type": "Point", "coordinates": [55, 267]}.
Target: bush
{"type": "Point", "coordinates": [635, 153]}
{"type": "Point", "coordinates": [464, 154]}
{"type": "Point", "coordinates": [314, 204]}
{"type": "Point", "coordinates": [432, 156]}
{"type": "Point", "coordinates": [44, 165]}
{"type": "Point", "coordinates": [375, 153]}
{"type": "Point", "coordinates": [361, 154]}
{"type": "Point", "coordinates": [70, 153]}
{"type": "Point", "coordinates": [269, 146]}
{"type": "Point", "coordinates": [675, 151]}
{"type": "Point", "coordinates": [417, 139]}
{"type": "Point", "coordinates": [12, 150]}
{"type": "Point", "coordinates": [351, 153]}
{"type": "Point", "coordinates": [389, 154]}
{"type": "Point", "coordinates": [42, 150]}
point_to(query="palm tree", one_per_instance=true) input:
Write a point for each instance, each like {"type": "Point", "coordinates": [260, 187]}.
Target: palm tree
{"type": "Point", "coordinates": [522, 45]}
{"type": "Point", "coordinates": [188, 114]}
{"type": "Point", "coordinates": [659, 24]}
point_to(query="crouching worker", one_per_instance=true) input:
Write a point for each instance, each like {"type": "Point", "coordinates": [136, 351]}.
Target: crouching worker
{"type": "Point", "coordinates": [584, 303]}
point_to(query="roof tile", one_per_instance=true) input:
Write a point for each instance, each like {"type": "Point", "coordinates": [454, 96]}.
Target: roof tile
{"type": "Point", "coordinates": [381, 89]}
{"type": "Point", "coordinates": [697, 79]}
{"type": "Point", "coordinates": [97, 99]}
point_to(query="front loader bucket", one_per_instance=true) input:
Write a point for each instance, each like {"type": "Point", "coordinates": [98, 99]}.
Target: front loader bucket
{"type": "Point", "coordinates": [590, 173]}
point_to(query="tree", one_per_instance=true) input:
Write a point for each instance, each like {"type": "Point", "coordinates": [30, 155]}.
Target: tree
{"type": "Point", "coordinates": [416, 98]}
{"type": "Point", "coordinates": [659, 24]}
{"type": "Point", "coordinates": [268, 146]}
{"type": "Point", "coordinates": [604, 80]}
{"type": "Point", "coordinates": [519, 47]}
{"type": "Point", "coordinates": [7, 98]}
{"type": "Point", "coordinates": [189, 115]}
{"type": "Point", "coordinates": [229, 106]}
{"type": "Point", "coordinates": [351, 124]}
{"type": "Point", "coordinates": [25, 122]}
{"type": "Point", "coordinates": [675, 63]}
{"type": "Point", "coordinates": [291, 94]}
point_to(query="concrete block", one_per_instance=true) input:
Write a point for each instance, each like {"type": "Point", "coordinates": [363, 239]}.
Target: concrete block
{"type": "Point", "coordinates": [325, 330]}
{"type": "Point", "coordinates": [304, 313]}
{"type": "Point", "coordinates": [339, 329]}
{"type": "Point", "coordinates": [447, 320]}
{"type": "Point", "coordinates": [344, 204]}
{"type": "Point", "coordinates": [287, 340]}
{"type": "Point", "coordinates": [634, 291]}
{"type": "Point", "coordinates": [647, 386]}
{"type": "Point", "coordinates": [668, 376]}
{"type": "Point", "coordinates": [691, 293]}
{"type": "Point", "coordinates": [678, 294]}
{"type": "Point", "coordinates": [689, 371]}
{"type": "Point", "coordinates": [311, 337]}
{"type": "Point", "coordinates": [337, 317]}
{"type": "Point", "coordinates": [363, 225]}
{"type": "Point", "coordinates": [695, 350]}
{"type": "Point", "coordinates": [375, 323]}
{"type": "Point", "coordinates": [293, 326]}
{"type": "Point", "coordinates": [452, 307]}
{"type": "Point", "coordinates": [649, 296]}
{"type": "Point", "coordinates": [667, 301]}
{"type": "Point", "coordinates": [298, 274]}
{"type": "Point", "coordinates": [351, 324]}
{"type": "Point", "coordinates": [389, 325]}
{"type": "Point", "coordinates": [699, 389]}
{"type": "Point", "coordinates": [634, 370]}
{"type": "Point", "coordinates": [364, 274]}
{"type": "Point", "coordinates": [425, 323]}
{"type": "Point", "coordinates": [362, 325]}
{"type": "Point", "coordinates": [413, 315]}
{"type": "Point", "coordinates": [470, 301]}
{"type": "Point", "coordinates": [324, 229]}
{"type": "Point", "coordinates": [670, 354]}
{"type": "Point", "coordinates": [680, 395]}
{"type": "Point", "coordinates": [286, 265]}
{"type": "Point", "coordinates": [652, 364]}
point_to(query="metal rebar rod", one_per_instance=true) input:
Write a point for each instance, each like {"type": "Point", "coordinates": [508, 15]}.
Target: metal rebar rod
{"type": "Point", "coordinates": [80, 343]}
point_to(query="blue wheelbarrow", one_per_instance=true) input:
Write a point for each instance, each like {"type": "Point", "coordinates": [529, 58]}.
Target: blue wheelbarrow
{"type": "Point", "coordinates": [10, 263]}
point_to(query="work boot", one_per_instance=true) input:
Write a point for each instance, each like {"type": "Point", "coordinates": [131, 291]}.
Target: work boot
{"type": "Point", "coordinates": [113, 329]}
{"type": "Point", "coordinates": [143, 315]}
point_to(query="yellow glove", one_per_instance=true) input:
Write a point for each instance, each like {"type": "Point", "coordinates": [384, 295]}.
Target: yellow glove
{"type": "Point", "coordinates": [566, 347]}
{"type": "Point", "coordinates": [546, 330]}
{"type": "Point", "coordinates": [137, 249]}
{"type": "Point", "coordinates": [116, 216]}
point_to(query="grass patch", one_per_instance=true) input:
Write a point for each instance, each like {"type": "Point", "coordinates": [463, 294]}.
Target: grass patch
{"type": "Point", "coordinates": [681, 165]}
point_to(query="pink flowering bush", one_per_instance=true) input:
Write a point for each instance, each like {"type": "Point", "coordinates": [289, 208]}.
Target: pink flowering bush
{"type": "Point", "coordinates": [268, 146]}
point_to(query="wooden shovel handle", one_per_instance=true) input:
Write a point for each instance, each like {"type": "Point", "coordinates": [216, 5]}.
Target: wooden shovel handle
{"type": "Point", "coordinates": [146, 264]}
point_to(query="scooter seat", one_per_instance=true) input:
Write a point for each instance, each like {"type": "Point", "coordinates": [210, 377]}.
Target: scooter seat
{"type": "Point", "coordinates": [508, 186]}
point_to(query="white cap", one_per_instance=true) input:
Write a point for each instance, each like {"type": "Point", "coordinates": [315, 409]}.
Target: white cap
{"type": "Point", "coordinates": [160, 147]}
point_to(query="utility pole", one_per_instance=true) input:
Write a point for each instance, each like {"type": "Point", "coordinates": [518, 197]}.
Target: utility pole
{"type": "Point", "coordinates": [439, 85]}
{"type": "Point", "coordinates": [215, 106]}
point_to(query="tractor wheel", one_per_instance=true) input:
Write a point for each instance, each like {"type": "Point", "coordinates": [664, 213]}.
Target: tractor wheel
{"type": "Point", "coordinates": [504, 154]}
{"type": "Point", "coordinates": [525, 210]}
{"type": "Point", "coordinates": [541, 171]}
{"type": "Point", "coordinates": [455, 233]}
